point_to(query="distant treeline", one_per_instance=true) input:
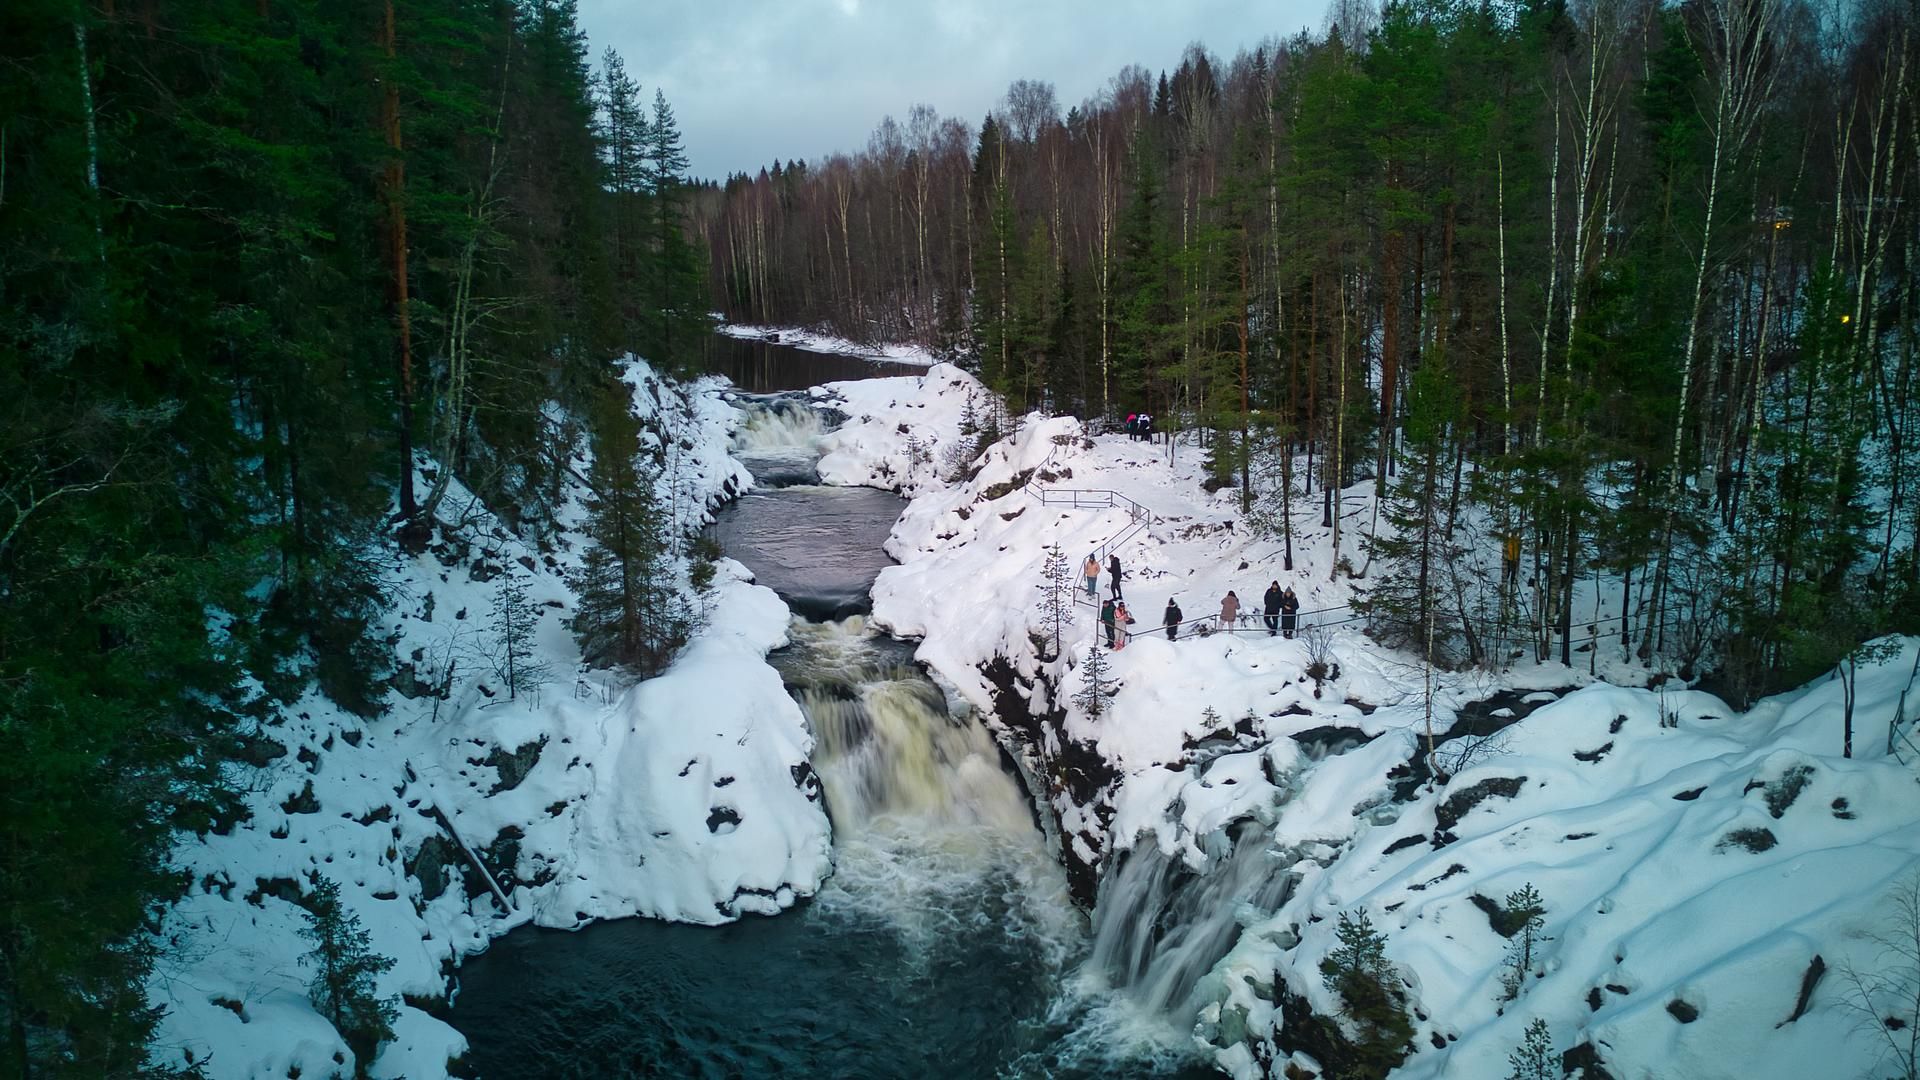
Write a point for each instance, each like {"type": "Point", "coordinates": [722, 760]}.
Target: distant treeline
{"type": "Point", "coordinates": [258, 260]}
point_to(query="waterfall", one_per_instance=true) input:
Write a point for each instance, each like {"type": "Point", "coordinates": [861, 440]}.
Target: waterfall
{"type": "Point", "coordinates": [779, 424]}
{"type": "Point", "coordinates": [1160, 926]}
{"type": "Point", "coordinates": [930, 831]}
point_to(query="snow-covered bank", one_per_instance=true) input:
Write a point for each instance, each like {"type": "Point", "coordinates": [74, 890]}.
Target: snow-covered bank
{"type": "Point", "coordinates": [1690, 871]}
{"type": "Point", "coordinates": [817, 341]}
{"type": "Point", "coordinates": [687, 797]}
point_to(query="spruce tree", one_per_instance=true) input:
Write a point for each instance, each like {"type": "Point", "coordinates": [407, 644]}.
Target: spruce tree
{"type": "Point", "coordinates": [514, 620]}
{"type": "Point", "coordinates": [631, 616]}
{"type": "Point", "coordinates": [1056, 594]}
{"type": "Point", "coordinates": [346, 970]}
{"type": "Point", "coordinates": [1370, 995]}
{"type": "Point", "coordinates": [1096, 690]}
{"type": "Point", "coordinates": [1420, 558]}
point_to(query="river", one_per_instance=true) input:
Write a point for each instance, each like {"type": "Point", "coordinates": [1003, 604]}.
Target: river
{"type": "Point", "coordinates": [943, 945]}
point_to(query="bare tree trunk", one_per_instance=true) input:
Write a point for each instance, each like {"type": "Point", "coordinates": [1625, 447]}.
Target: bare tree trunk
{"type": "Point", "coordinates": [394, 185]}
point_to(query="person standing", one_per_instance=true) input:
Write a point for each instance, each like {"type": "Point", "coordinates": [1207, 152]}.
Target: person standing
{"type": "Point", "coordinates": [1172, 620]}
{"type": "Point", "coordinates": [1091, 570]}
{"type": "Point", "coordinates": [1122, 619]}
{"type": "Point", "coordinates": [1270, 604]}
{"type": "Point", "coordinates": [1229, 610]}
{"type": "Point", "coordinates": [1289, 610]}
{"type": "Point", "coordinates": [1113, 570]}
{"type": "Point", "coordinates": [1106, 620]}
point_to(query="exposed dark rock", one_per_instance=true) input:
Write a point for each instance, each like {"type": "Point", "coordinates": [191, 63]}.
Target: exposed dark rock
{"type": "Point", "coordinates": [282, 887]}
{"type": "Point", "coordinates": [303, 802]}
{"type": "Point", "coordinates": [1587, 1060]}
{"type": "Point", "coordinates": [1842, 810]}
{"type": "Point", "coordinates": [1072, 771]}
{"type": "Point", "coordinates": [384, 813]}
{"type": "Point", "coordinates": [1754, 840]}
{"type": "Point", "coordinates": [1595, 999]}
{"type": "Point", "coordinates": [806, 780]}
{"type": "Point", "coordinates": [722, 815]}
{"type": "Point", "coordinates": [1595, 754]}
{"type": "Point", "coordinates": [259, 750]}
{"type": "Point", "coordinates": [513, 767]}
{"type": "Point", "coordinates": [1458, 804]}
{"type": "Point", "coordinates": [1405, 842]}
{"type": "Point", "coordinates": [429, 865]}
{"type": "Point", "coordinates": [1682, 1011]}
{"type": "Point", "coordinates": [1331, 739]}
{"type": "Point", "coordinates": [502, 856]}
{"type": "Point", "coordinates": [1815, 971]}
{"type": "Point", "coordinates": [307, 757]}
{"type": "Point", "coordinates": [1690, 794]}
{"type": "Point", "coordinates": [1618, 723]}
{"type": "Point", "coordinates": [1451, 871]}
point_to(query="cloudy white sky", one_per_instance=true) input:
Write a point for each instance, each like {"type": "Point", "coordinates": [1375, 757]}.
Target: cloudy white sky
{"type": "Point", "coordinates": [752, 80]}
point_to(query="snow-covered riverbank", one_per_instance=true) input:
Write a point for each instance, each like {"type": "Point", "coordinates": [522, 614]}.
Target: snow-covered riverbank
{"type": "Point", "coordinates": [687, 797]}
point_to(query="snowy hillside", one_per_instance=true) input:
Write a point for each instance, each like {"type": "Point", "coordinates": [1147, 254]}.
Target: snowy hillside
{"type": "Point", "coordinates": [1690, 871]}
{"type": "Point", "coordinates": [686, 797]}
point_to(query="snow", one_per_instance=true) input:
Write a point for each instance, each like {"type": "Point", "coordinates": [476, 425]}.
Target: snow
{"type": "Point", "coordinates": [1622, 822]}
{"type": "Point", "coordinates": [619, 813]}
{"type": "Point", "coordinates": [1644, 890]}
{"type": "Point", "coordinates": [820, 341]}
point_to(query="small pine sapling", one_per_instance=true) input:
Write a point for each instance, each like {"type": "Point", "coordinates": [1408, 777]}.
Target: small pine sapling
{"type": "Point", "coordinates": [345, 968]}
{"type": "Point", "coordinates": [1524, 913]}
{"type": "Point", "coordinates": [514, 620]}
{"type": "Point", "coordinates": [1533, 1059]}
{"type": "Point", "coordinates": [1370, 996]}
{"type": "Point", "coordinates": [1096, 691]}
{"type": "Point", "coordinates": [1056, 595]}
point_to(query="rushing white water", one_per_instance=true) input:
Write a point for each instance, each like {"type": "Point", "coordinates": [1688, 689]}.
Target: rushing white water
{"type": "Point", "coordinates": [780, 424]}
{"type": "Point", "coordinates": [928, 825]}
{"type": "Point", "coordinates": [1159, 926]}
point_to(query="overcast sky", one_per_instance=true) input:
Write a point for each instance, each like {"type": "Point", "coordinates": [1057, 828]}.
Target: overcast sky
{"type": "Point", "coordinates": [752, 80]}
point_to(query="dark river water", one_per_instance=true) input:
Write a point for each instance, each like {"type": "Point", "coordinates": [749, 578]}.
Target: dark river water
{"type": "Point", "coordinates": [764, 367]}
{"type": "Point", "coordinates": [943, 945]}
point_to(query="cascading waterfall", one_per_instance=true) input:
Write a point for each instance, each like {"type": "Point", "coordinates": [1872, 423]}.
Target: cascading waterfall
{"type": "Point", "coordinates": [779, 442]}
{"type": "Point", "coordinates": [929, 828]}
{"type": "Point", "coordinates": [1159, 926]}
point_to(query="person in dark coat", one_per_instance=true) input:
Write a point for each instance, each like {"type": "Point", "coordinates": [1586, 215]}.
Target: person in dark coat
{"type": "Point", "coordinates": [1106, 620]}
{"type": "Point", "coordinates": [1289, 610]}
{"type": "Point", "coordinates": [1113, 571]}
{"type": "Point", "coordinates": [1271, 605]}
{"type": "Point", "coordinates": [1172, 620]}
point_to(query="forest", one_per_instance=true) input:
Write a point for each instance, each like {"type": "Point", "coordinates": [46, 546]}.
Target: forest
{"type": "Point", "coordinates": [1625, 288]}
{"type": "Point", "coordinates": [273, 276]}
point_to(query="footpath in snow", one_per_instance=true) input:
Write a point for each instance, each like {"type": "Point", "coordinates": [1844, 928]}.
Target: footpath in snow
{"type": "Point", "coordinates": [1697, 867]}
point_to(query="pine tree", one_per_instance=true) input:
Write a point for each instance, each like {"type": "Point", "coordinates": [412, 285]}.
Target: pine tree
{"type": "Point", "coordinates": [514, 620]}
{"type": "Point", "coordinates": [1096, 690]}
{"type": "Point", "coordinates": [346, 968]}
{"type": "Point", "coordinates": [1524, 914]}
{"type": "Point", "coordinates": [1056, 594]}
{"type": "Point", "coordinates": [1370, 995]}
{"type": "Point", "coordinates": [1534, 1058]}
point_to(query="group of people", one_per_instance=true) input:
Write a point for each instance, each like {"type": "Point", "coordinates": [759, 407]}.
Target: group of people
{"type": "Point", "coordinates": [1139, 426]}
{"type": "Point", "coordinates": [1280, 606]}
